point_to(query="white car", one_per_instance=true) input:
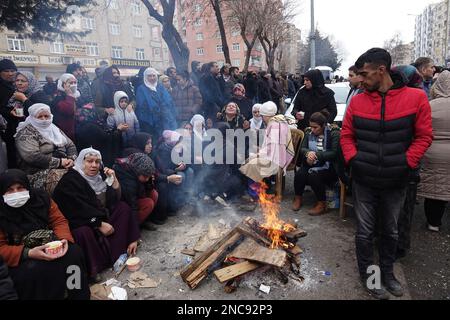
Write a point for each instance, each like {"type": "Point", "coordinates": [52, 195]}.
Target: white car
{"type": "Point", "coordinates": [341, 90]}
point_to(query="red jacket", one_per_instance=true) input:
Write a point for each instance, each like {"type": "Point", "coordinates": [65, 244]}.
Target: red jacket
{"type": "Point", "coordinates": [383, 138]}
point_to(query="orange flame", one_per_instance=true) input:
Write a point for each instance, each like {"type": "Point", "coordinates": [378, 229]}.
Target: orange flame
{"type": "Point", "coordinates": [276, 228]}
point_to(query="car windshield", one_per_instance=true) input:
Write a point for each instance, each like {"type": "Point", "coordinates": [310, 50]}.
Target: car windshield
{"type": "Point", "coordinates": [340, 94]}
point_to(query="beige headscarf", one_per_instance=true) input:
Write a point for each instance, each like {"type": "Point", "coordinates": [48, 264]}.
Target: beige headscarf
{"type": "Point", "coordinates": [441, 88]}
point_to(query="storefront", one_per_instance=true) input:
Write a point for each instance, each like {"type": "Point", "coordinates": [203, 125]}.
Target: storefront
{"type": "Point", "coordinates": [129, 67]}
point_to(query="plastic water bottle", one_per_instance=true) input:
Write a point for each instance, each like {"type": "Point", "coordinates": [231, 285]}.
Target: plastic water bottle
{"type": "Point", "coordinates": [120, 262]}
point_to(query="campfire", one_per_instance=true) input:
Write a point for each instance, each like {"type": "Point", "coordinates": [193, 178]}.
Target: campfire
{"type": "Point", "coordinates": [249, 246]}
{"type": "Point", "coordinates": [275, 227]}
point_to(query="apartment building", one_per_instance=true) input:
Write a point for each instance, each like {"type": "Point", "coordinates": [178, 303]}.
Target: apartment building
{"type": "Point", "coordinates": [432, 33]}
{"type": "Point", "coordinates": [201, 33]}
{"type": "Point", "coordinates": [121, 33]}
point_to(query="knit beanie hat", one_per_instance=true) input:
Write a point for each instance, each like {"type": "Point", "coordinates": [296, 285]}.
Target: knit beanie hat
{"type": "Point", "coordinates": [268, 109]}
{"type": "Point", "coordinates": [7, 64]}
{"type": "Point", "coordinates": [141, 164]}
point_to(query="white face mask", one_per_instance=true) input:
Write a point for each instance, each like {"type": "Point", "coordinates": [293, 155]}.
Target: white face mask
{"type": "Point", "coordinates": [17, 199]}
{"type": "Point", "coordinates": [74, 88]}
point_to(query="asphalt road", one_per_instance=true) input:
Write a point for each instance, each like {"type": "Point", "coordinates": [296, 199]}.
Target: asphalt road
{"type": "Point", "coordinates": [328, 261]}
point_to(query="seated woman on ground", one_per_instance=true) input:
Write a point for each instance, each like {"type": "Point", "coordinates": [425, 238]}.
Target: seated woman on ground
{"type": "Point", "coordinates": [136, 176]}
{"type": "Point", "coordinates": [319, 151]}
{"type": "Point", "coordinates": [103, 226]}
{"type": "Point", "coordinates": [231, 114]}
{"type": "Point", "coordinates": [44, 151]}
{"type": "Point", "coordinates": [29, 220]}
{"type": "Point", "coordinates": [174, 179]}
{"type": "Point", "coordinates": [140, 143]}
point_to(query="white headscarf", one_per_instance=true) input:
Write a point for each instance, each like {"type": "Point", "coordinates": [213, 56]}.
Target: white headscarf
{"type": "Point", "coordinates": [119, 95]}
{"type": "Point", "coordinates": [196, 122]}
{"type": "Point", "coordinates": [97, 184]}
{"type": "Point", "coordinates": [148, 72]}
{"type": "Point", "coordinates": [256, 122]}
{"type": "Point", "coordinates": [63, 79]}
{"type": "Point", "coordinates": [46, 128]}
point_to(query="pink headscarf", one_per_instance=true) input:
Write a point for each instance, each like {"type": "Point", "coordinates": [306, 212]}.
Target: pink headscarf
{"type": "Point", "coordinates": [171, 137]}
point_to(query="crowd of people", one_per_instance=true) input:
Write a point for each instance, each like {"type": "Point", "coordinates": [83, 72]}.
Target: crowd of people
{"type": "Point", "coordinates": [91, 162]}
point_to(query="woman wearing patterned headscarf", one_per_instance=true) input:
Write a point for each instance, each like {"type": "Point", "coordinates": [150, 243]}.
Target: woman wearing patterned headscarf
{"type": "Point", "coordinates": [28, 92]}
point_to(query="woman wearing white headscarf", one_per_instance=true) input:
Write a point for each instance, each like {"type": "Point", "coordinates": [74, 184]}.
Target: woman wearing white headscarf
{"type": "Point", "coordinates": [64, 105]}
{"type": "Point", "coordinates": [154, 105]}
{"type": "Point", "coordinates": [256, 122]}
{"type": "Point", "coordinates": [44, 151]}
{"type": "Point", "coordinates": [198, 126]}
{"type": "Point", "coordinates": [103, 226]}
{"type": "Point", "coordinates": [28, 91]}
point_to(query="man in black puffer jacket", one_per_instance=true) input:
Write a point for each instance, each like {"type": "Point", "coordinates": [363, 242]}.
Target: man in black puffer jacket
{"type": "Point", "coordinates": [386, 131]}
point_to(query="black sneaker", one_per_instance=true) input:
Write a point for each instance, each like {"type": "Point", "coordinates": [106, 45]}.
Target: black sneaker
{"type": "Point", "coordinates": [380, 294]}
{"type": "Point", "coordinates": [392, 285]}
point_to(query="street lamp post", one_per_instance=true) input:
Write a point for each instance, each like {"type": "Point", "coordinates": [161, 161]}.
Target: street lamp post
{"type": "Point", "coordinates": [313, 37]}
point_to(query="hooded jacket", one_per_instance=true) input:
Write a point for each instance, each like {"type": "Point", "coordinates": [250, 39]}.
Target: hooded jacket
{"type": "Point", "coordinates": [314, 100]}
{"type": "Point", "coordinates": [384, 136]}
{"type": "Point", "coordinates": [123, 116]}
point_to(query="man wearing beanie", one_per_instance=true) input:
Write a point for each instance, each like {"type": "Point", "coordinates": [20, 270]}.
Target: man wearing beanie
{"type": "Point", "coordinates": [7, 76]}
{"type": "Point", "coordinates": [277, 150]}
{"type": "Point", "coordinates": [135, 175]}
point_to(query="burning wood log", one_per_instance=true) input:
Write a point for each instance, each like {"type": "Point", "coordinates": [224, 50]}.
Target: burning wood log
{"type": "Point", "coordinates": [211, 259]}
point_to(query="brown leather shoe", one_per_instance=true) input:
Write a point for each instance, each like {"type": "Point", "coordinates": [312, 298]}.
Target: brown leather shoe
{"type": "Point", "coordinates": [297, 204]}
{"type": "Point", "coordinates": [319, 209]}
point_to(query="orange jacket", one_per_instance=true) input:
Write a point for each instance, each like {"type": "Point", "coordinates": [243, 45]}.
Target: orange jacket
{"type": "Point", "coordinates": [57, 222]}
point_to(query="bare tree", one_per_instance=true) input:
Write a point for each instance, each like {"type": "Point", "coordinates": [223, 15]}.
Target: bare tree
{"type": "Point", "coordinates": [247, 16]}
{"type": "Point", "coordinates": [400, 52]}
{"type": "Point", "coordinates": [278, 15]}
{"type": "Point", "coordinates": [178, 49]}
{"type": "Point", "coordinates": [218, 7]}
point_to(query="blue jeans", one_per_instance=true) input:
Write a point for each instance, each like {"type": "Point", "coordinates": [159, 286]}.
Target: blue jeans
{"type": "Point", "coordinates": [370, 205]}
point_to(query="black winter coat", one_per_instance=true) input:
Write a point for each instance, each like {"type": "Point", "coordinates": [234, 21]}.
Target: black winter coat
{"type": "Point", "coordinates": [7, 291]}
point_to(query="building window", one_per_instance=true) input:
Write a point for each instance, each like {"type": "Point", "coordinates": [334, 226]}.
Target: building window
{"type": "Point", "coordinates": [155, 33]}
{"type": "Point", "coordinates": [57, 47]}
{"type": "Point", "coordinates": [157, 53]}
{"type": "Point", "coordinates": [92, 49]}
{"type": "Point", "coordinates": [200, 51]}
{"type": "Point", "coordinates": [236, 47]}
{"type": "Point", "coordinates": [117, 52]}
{"type": "Point", "coordinates": [113, 4]}
{"type": "Point", "coordinates": [136, 7]}
{"type": "Point", "coordinates": [140, 54]}
{"type": "Point", "coordinates": [88, 23]}
{"type": "Point", "coordinates": [236, 62]}
{"type": "Point", "coordinates": [114, 29]}
{"type": "Point", "coordinates": [137, 31]}
{"type": "Point", "coordinates": [219, 48]}
{"type": "Point", "coordinates": [198, 22]}
{"type": "Point", "coordinates": [199, 36]}
{"type": "Point", "coordinates": [16, 43]}
{"type": "Point", "coordinates": [235, 33]}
